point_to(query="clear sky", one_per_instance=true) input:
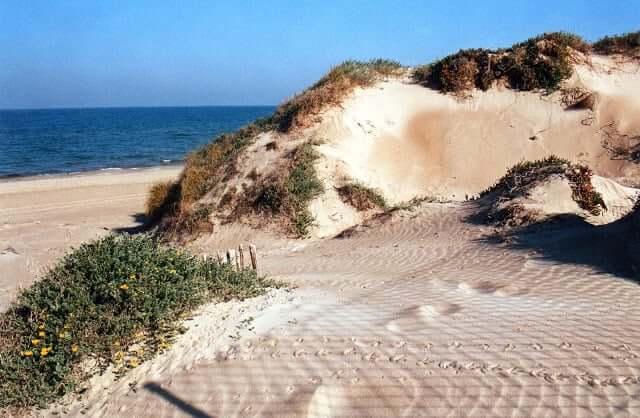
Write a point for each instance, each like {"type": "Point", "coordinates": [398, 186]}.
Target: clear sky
{"type": "Point", "coordinates": [160, 53]}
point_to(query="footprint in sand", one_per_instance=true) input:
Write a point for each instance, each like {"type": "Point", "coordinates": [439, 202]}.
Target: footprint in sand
{"type": "Point", "coordinates": [509, 347]}
{"type": "Point", "coordinates": [417, 317]}
{"type": "Point", "coordinates": [455, 344]}
{"type": "Point", "coordinates": [537, 347]}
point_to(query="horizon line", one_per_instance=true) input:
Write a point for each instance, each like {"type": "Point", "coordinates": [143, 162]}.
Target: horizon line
{"type": "Point", "coordinates": [127, 107]}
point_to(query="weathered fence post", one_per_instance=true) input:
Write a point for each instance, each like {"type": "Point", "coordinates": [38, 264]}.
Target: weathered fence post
{"type": "Point", "coordinates": [254, 257]}
{"type": "Point", "coordinates": [219, 256]}
{"type": "Point", "coordinates": [241, 256]}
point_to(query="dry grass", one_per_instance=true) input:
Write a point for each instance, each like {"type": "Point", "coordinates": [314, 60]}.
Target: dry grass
{"type": "Point", "coordinates": [361, 197]}
{"type": "Point", "coordinates": [577, 98]}
{"type": "Point", "coordinates": [176, 205]}
{"type": "Point", "coordinates": [303, 109]}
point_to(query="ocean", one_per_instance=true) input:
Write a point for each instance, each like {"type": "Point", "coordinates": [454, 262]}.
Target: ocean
{"type": "Point", "coordinates": [50, 141]}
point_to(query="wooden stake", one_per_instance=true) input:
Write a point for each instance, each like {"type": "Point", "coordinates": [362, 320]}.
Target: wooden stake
{"type": "Point", "coordinates": [254, 257]}
{"type": "Point", "coordinates": [204, 258]}
{"type": "Point", "coordinates": [219, 256]}
{"type": "Point", "coordinates": [241, 256]}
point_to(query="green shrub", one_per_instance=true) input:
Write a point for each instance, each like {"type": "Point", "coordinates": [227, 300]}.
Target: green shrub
{"type": "Point", "coordinates": [542, 63]}
{"type": "Point", "coordinates": [628, 44]}
{"type": "Point", "coordinates": [117, 300]}
{"type": "Point", "coordinates": [288, 192]}
{"type": "Point", "coordinates": [361, 197]}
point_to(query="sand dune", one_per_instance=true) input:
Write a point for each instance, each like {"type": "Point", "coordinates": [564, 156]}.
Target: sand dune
{"type": "Point", "coordinates": [424, 315]}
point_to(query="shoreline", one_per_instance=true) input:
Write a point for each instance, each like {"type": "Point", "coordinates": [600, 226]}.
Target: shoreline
{"type": "Point", "coordinates": [43, 217]}
{"type": "Point", "coordinates": [96, 171]}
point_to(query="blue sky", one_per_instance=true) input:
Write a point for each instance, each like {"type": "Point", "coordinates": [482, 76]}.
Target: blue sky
{"type": "Point", "coordinates": [161, 53]}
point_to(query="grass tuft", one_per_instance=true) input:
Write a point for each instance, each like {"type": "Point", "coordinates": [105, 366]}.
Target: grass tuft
{"type": "Point", "coordinates": [361, 197]}
{"type": "Point", "coordinates": [302, 110]}
{"type": "Point", "coordinates": [115, 301]}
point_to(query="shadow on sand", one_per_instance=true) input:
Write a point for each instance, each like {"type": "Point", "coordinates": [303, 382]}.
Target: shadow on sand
{"type": "Point", "coordinates": [177, 402]}
{"type": "Point", "coordinates": [569, 239]}
{"type": "Point", "coordinates": [142, 222]}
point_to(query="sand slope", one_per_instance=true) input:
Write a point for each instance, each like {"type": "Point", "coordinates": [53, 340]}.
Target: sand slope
{"type": "Point", "coordinates": [423, 315]}
{"type": "Point", "coordinates": [406, 140]}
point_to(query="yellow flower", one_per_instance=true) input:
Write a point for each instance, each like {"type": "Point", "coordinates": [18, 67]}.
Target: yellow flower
{"type": "Point", "coordinates": [41, 334]}
{"type": "Point", "coordinates": [74, 348]}
{"type": "Point", "coordinates": [35, 341]}
{"type": "Point", "coordinates": [132, 276]}
{"type": "Point", "coordinates": [41, 327]}
{"type": "Point", "coordinates": [172, 271]}
{"type": "Point", "coordinates": [124, 286]}
{"type": "Point", "coordinates": [44, 351]}
{"type": "Point", "coordinates": [133, 362]}
{"type": "Point", "coordinates": [116, 343]}
{"type": "Point", "coordinates": [28, 353]}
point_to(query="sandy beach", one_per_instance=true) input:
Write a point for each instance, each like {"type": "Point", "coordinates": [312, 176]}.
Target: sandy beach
{"type": "Point", "coordinates": [421, 314]}
{"type": "Point", "coordinates": [42, 217]}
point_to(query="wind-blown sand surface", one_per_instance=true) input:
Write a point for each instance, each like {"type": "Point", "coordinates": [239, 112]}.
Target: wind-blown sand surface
{"type": "Point", "coordinates": [419, 314]}
{"type": "Point", "coordinates": [41, 218]}
{"type": "Point", "coordinates": [423, 312]}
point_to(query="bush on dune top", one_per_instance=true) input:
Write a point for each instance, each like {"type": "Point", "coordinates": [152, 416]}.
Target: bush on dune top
{"type": "Point", "coordinates": [117, 300]}
{"type": "Point", "coordinates": [626, 44]}
{"type": "Point", "coordinates": [540, 63]}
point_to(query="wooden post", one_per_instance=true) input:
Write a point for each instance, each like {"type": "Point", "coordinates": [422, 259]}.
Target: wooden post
{"type": "Point", "coordinates": [204, 258]}
{"type": "Point", "coordinates": [241, 256]}
{"type": "Point", "coordinates": [254, 257]}
{"type": "Point", "coordinates": [219, 256]}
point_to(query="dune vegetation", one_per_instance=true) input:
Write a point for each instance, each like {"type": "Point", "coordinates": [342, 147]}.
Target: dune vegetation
{"type": "Point", "coordinates": [539, 63]}
{"type": "Point", "coordinates": [523, 176]}
{"type": "Point", "coordinates": [625, 44]}
{"type": "Point", "coordinates": [286, 194]}
{"type": "Point", "coordinates": [361, 197]}
{"type": "Point", "coordinates": [114, 302]}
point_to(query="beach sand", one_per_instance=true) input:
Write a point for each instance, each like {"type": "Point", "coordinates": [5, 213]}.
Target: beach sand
{"type": "Point", "coordinates": [42, 217]}
{"type": "Point", "coordinates": [419, 314]}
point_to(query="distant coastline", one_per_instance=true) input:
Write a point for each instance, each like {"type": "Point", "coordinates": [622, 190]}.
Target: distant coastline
{"type": "Point", "coordinates": [69, 141]}
{"type": "Point", "coordinates": [95, 171]}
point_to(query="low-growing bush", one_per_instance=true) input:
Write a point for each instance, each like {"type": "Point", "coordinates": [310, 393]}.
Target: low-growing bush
{"type": "Point", "coordinates": [115, 301]}
{"type": "Point", "coordinates": [626, 44]}
{"type": "Point", "coordinates": [523, 176]}
{"type": "Point", "coordinates": [331, 89]}
{"type": "Point", "coordinates": [540, 63]}
{"type": "Point", "coordinates": [288, 192]}
{"type": "Point", "coordinates": [361, 197]}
